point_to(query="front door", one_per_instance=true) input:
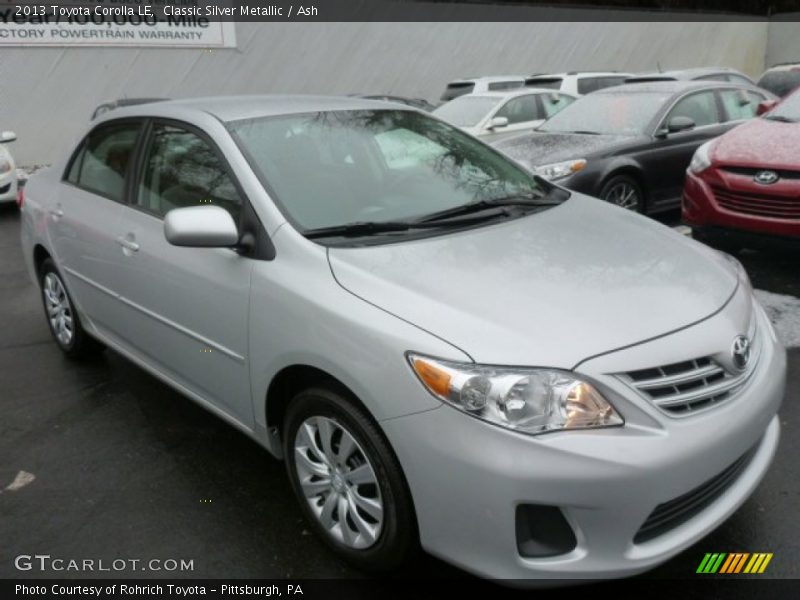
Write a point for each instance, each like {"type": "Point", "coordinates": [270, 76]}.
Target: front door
{"type": "Point", "coordinates": [187, 308]}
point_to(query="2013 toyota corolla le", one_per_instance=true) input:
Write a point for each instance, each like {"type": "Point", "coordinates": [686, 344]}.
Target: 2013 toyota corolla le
{"type": "Point", "coordinates": [444, 348]}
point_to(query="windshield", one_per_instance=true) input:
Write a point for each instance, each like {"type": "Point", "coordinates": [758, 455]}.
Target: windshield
{"type": "Point", "coordinates": [327, 169]}
{"type": "Point", "coordinates": [466, 111]}
{"type": "Point", "coordinates": [788, 109]}
{"type": "Point", "coordinates": [615, 113]}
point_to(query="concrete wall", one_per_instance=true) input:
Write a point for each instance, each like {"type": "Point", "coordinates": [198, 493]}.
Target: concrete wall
{"type": "Point", "coordinates": [783, 43]}
{"type": "Point", "coordinates": [47, 94]}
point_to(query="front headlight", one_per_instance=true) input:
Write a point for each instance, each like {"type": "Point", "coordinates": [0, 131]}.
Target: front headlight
{"type": "Point", "coordinates": [526, 400]}
{"type": "Point", "coordinates": [701, 159]}
{"type": "Point", "coordinates": [560, 169]}
{"type": "Point", "coordinates": [5, 166]}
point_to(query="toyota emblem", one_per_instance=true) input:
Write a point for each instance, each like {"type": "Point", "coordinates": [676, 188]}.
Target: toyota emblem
{"type": "Point", "coordinates": [741, 352]}
{"type": "Point", "coordinates": [766, 177]}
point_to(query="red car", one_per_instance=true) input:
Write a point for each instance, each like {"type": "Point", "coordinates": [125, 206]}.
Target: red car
{"type": "Point", "coordinates": [743, 188]}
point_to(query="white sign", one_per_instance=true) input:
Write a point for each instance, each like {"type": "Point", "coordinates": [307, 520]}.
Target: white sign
{"type": "Point", "coordinates": [173, 32]}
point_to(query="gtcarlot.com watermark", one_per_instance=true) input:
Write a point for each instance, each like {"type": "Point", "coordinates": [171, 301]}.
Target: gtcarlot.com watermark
{"type": "Point", "coordinates": [48, 563]}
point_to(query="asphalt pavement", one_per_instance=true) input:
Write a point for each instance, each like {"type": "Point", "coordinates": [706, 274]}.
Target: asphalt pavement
{"type": "Point", "coordinates": [99, 460]}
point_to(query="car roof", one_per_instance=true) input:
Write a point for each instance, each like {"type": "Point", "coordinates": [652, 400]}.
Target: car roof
{"type": "Point", "coordinates": [579, 74]}
{"type": "Point", "coordinates": [683, 74]}
{"type": "Point", "coordinates": [672, 86]}
{"type": "Point", "coordinates": [235, 108]}
{"type": "Point", "coordinates": [488, 79]}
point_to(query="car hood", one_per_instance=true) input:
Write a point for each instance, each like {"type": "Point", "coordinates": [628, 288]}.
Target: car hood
{"type": "Point", "coordinates": [539, 148]}
{"type": "Point", "coordinates": [760, 142]}
{"type": "Point", "coordinates": [549, 289]}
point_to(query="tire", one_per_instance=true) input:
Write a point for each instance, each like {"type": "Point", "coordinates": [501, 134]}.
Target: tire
{"type": "Point", "coordinates": [623, 191]}
{"type": "Point", "coordinates": [62, 319]}
{"type": "Point", "coordinates": [392, 532]}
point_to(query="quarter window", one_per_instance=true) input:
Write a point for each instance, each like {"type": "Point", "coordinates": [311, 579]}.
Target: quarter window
{"type": "Point", "coordinates": [700, 108]}
{"type": "Point", "coordinates": [101, 165]}
{"type": "Point", "coordinates": [181, 170]}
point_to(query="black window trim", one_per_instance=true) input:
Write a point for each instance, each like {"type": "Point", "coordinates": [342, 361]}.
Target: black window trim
{"type": "Point", "coordinates": [79, 152]}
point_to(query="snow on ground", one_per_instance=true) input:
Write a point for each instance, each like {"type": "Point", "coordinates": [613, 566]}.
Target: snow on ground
{"type": "Point", "coordinates": [784, 312]}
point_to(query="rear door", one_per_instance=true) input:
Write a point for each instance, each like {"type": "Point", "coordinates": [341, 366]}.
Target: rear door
{"type": "Point", "coordinates": [186, 309]}
{"type": "Point", "coordinates": [672, 152]}
{"type": "Point", "coordinates": [84, 218]}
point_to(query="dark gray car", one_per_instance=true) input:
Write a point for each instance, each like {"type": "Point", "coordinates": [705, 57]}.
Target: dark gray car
{"type": "Point", "coordinates": [631, 144]}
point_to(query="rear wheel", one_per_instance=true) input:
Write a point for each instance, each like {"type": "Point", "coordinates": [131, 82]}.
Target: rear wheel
{"type": "Point", "coordinates": [624, 191]}
{"type": "Point", "coordinates": [348, 481]}
{"type": "Point", "coordinates": [63, 320]}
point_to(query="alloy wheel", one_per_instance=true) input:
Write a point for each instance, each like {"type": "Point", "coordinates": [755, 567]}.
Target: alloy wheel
{"type": "Point", "coordinates": [624, 195]}
{"type": "Point", "coordinates": [338, 482]}
{"type": "Point", "coordinates": [59, 310]}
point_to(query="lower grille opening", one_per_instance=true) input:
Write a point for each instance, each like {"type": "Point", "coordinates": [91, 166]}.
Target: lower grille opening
{"type": "Point", "coordinates": [671, 514]}
{"type": "Point", "coordinates": [543, 531]}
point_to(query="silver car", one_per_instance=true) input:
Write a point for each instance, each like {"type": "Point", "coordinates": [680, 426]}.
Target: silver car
{"type": "Point", "coordinates": [444, 349]}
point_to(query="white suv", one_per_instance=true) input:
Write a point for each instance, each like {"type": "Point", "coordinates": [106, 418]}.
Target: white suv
{"type": "Point", "coordinates": [8, 171]}
{"type": "Point", "coordinates": [576, 83]}
{"type": "Point", "coordinates": [479, 85]}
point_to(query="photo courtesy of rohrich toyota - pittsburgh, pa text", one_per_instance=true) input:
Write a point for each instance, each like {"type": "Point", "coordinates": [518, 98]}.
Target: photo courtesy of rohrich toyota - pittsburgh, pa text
{"type": "Point", "coordinates": [399, 299]}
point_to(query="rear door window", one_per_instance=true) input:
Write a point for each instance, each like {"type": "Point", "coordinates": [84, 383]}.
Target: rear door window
{"type": "Point", "coordinates": [740, 104]}
{"type": "Point", "coordinates": [454, 90]}
{"type": "Point", "coordinates": [499, 86]}
{"type": "Point", "coordinates": [551, 83]}
{"type": "Point", "coordinates": [101, 165]}
{"type": "Point", "coordinates": [587, 85]}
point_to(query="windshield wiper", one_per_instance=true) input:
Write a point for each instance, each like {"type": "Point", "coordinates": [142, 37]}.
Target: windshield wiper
{"type": "Point", "coordinates": [482, 205]}
{"type": "Point", "coordinates": [585, 132]}
{"type": "Point", "coordinates": [364, 228]}
{"type": "Point", "coordinates": [780, 119]}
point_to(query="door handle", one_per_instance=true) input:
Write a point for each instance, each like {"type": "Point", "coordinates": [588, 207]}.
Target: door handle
{"type": "Point", "coordinates": [128, 244]}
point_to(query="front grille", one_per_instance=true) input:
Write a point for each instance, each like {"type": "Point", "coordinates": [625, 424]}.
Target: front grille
{"type": "Point", "coordinates": [673, 513]}
{"type": "Point", "coordinates": [753, 171]}
{"type": "Point", "coordinates": [686, 387]}
{"type": "Point", "coordinates": [762, 205]}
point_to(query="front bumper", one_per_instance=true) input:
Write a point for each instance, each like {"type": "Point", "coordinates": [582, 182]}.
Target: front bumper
{"type": "Point", "coordinates": [467, 477]}
{"type": "Point", "coordinates": [701, 210]}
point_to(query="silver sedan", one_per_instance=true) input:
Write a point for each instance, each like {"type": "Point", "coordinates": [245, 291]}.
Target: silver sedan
{"type": "Point", "coordinates": [444, 348]}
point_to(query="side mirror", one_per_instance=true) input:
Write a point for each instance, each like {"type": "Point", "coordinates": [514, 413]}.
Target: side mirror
{"type": "Point", "coordinates": [766, 106]}
{"type": "Point", "coordinates": [497, 122]}
{"type": "Point", "coordinates": [680, 123]}
{"type": "Point", "coordinates": [201, 227]}
{"type": "Point", "coordinates": [7, 136]}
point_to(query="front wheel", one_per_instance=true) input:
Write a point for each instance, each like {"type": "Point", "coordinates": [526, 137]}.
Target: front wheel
{"type": "Point", "coordinates": [348, 481]}
{"type": "Point", "coordinates": [624, 191]}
